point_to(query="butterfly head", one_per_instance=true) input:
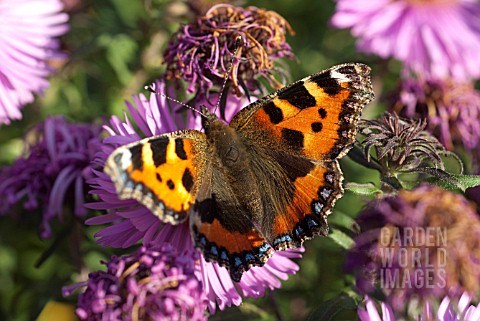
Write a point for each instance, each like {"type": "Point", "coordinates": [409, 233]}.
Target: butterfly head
{"type": "Point", "coordinates": [208, 118]}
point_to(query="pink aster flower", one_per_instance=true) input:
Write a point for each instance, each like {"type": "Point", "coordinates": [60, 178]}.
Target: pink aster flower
{"type": "Point", "coordinates": [27, 40]}
{"type": "Point", "coordinates": [437, 38]}
{"type": "Point", "coordinates": [131, 222]}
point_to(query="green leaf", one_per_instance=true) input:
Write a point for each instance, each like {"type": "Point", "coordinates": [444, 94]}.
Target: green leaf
{"type": "Point", "coordinates": [443, 184]}
{"type": "Point", "coordinates": [129, 12]}
{"type": "Point", "coordinates": [341, 239]}
{"type": "Point", "coordinates": [343, 220]}
{"type": "Point", "coordinates": [467, 181]}
{"type": "Point", "coordinates": [363, 189]}
{"type": "Point", "coordinates": [329, 309]}
{"type": "Point", "coordinates": [451, 181]}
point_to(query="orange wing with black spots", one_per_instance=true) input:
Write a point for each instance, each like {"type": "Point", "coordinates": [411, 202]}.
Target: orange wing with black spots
{"type": "Point", "coordinates": [299, 133]}
{"type": "Point", "coordinates": [163, 172]}
{"type": "Point", "coordinates": [237, 249]}
{"type": "Point", "coordinates": [312, 199]}
{"type": "Point", "coordinates": [314, 117]}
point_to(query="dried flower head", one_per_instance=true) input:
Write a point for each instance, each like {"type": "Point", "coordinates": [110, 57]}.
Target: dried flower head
{"type": "Point", "coordinates": [415, 246]}
{"type": "Point", "coordinates": [150, 284]}
{"type": "Point", "coordinates": [201, 52]}
{"type": "Point", "coordinates": [400, 145]}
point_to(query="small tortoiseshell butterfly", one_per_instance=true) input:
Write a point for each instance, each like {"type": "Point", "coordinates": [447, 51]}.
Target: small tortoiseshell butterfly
{"type": "Point", "coordinates": [264, 182]}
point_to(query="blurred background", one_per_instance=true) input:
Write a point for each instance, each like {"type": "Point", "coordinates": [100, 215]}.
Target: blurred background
{"type": "Point", "coordinates": [114, 48]}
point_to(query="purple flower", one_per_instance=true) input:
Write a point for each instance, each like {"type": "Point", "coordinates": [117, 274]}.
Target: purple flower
{"type": "Point", "coordinates": [52, 174]}
{"type": "Point", "coordinates": [200, 52]}
{"type": "Point", "coordinates": [452, 110]}
{"type": "Point", "coordinates": [27, 32]}
{"type": "Point", "coordinates": [446, 311]}
{"type": "Point", "coordinates": [437, 38]}
{"type": "Point", "coordinates": [414, 246]}
{"type": "Point", "coordinates": [131, 222]}
{"type": "Point", "coordinates": [150, 284]}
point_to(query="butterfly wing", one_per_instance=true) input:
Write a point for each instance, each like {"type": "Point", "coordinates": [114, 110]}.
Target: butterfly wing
{"type": "Point", "coordinates": [162, 172]}
{"type": "Point", "coordinates": [222, 225]}
{"type": "Point", "coordinates": [314, 117]}
{"type": "Point", "coordinates": [226, 236]}
{"type": "Point", "coordinates": [314, 188]}
{"type": "Point", "coordinates": [298, 133]}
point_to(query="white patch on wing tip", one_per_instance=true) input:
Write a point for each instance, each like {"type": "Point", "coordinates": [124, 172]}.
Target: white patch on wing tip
{"type": "Point", "coordinates": [126, 159]}
{"type": "Point", "coordinates": [338, 75]}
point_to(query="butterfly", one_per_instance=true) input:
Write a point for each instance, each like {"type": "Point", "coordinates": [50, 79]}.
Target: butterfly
{"type": "Point", "coordinates": [264, 182]}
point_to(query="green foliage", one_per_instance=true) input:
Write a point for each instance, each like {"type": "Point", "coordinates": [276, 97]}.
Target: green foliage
{"type": "Point", "coordinates": [334, 309]}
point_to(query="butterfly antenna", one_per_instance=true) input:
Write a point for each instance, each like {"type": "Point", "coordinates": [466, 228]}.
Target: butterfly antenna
{"type": "Point", "coordinates": [238, 42]}
{"type": "Point", "coordinates": [152, 88]}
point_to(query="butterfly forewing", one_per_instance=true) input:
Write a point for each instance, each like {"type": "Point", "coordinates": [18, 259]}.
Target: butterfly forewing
{"type": "Point", "coordinates": [314, 117]}
{"type": "Point", "coordinates": [163, 172]}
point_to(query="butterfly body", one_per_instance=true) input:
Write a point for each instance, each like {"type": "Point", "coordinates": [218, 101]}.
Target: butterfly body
{"type": "Point", "coordinates": [264, 182]}
{"type": "Point", "coordinates": [232, 184]}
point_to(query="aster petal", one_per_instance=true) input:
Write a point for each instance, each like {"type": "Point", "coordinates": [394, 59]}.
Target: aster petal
{"type": "Point", "coordinates": [445, 312]}
{"type": "Point", "coordinates": [27, 32]}
{"type": "Point", "coordinates": [387, 312]}
{"type": "Point", "coordinates": [372, 311]}
{"type": "Point", "coordinates": [464, 302]}
{"type": "Point", "coordinates": [121, 235]}
{"type": "Point", "coordinates": [135, 110]}
{"type": "Point", "coordinates": [363, 314]}
{"type": "Point", "coordinates": [405, 30]}
{"type": "Point", "coordinates": [65, 178]}
{"type": "Point", "coordinates": [102, 219]}
{"type": "Point", "coordinates": [472, 313]}
{"type": "Point", "coordinates": [437, 52]}
{"type": "Point", "coordinates": [214, 279]}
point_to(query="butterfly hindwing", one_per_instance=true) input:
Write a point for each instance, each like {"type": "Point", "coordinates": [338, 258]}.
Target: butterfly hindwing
{"type": "Point", "coordinates": [311, 201]}
{"type": "Point", "coordinates": [162, 172]}
{"type": "Point", "coordinates": [224, 230]}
